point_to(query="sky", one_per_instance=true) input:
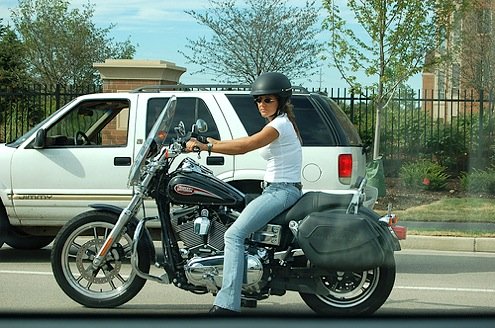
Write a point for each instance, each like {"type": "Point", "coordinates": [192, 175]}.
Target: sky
{"type": "Point", "coordinates": [160, 29]}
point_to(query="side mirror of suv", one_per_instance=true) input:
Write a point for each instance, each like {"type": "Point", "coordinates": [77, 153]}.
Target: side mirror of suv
{"type": "Point", "coordinates": [40, 140]}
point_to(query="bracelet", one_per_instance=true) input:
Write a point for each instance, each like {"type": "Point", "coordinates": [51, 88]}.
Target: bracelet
{"type": "Point", "coordinates": [210, 146]}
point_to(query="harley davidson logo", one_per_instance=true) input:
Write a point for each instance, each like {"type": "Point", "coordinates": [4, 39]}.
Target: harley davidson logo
{"type": "Point", "coordinates": [184, 190]}
{"type": "Point", "coordinates": [188, 190]}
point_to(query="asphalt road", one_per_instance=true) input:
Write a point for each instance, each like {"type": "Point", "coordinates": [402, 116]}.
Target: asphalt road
{"type": "Point", "coordinates": [427, 283]}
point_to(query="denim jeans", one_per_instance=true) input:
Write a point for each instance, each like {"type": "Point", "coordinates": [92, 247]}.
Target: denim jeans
{"type": "Point", "coordinates": [275, 199]}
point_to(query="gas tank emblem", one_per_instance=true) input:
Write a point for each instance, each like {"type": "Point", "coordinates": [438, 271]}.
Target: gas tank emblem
{"type": "Point", "coordinates": [187, 190]}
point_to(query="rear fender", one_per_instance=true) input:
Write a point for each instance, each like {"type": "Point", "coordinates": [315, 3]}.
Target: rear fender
{"type": "Point", "coordinates": [389, 238]}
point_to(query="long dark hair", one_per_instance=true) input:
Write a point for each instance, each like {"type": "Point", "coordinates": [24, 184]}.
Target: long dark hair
{"type": "Point", "coordinates": [288, 109]}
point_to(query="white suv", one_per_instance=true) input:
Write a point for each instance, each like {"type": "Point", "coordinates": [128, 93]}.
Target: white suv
{"type": "Point", "coordinates": [81, 154]}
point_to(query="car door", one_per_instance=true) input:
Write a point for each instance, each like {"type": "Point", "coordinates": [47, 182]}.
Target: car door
{"type": "Point", "coordinates": [84, 158]}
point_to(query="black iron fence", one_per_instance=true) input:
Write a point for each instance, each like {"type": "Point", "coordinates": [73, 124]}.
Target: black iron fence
{"type": "Point", "coordinates": [455, 129]}
{"type": "Point", "coordinates": [22, 108]}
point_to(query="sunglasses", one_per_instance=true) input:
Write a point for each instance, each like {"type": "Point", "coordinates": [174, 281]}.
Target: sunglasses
{"type": "Point", "coordinates": [265, 100]}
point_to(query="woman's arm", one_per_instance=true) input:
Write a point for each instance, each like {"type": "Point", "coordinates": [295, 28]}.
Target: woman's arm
{"type": "Point", "coordinates": [237, 146]}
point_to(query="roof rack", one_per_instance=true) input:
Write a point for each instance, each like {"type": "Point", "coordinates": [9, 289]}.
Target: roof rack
{"type": "Point", "coordinates": [205, 87]}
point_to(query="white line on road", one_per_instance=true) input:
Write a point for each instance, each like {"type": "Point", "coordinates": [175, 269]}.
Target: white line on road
{"type": "Point", "coordinates": [444, 289]}
{"type": "Point", "coordinates": [26, 272]}
{"type": "Point", "coordinates": [448, 289]}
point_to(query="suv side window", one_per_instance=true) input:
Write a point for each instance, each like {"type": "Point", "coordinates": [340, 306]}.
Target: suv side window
{"type": "Point", "coordinates": [345, 123]}
{"type": "Point", "coordinates": [188, 110]}
{"type": "Point", "coordinates": [314, 131]}
{"type": "Point", "coordinates": [102, 122]}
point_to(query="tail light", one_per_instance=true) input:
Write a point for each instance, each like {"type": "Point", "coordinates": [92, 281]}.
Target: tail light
{"type": "Point", "coordinates": [345, 168]}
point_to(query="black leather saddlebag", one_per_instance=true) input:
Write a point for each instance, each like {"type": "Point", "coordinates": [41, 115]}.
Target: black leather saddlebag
{"type": "Point", "coordinates": [340, 241]}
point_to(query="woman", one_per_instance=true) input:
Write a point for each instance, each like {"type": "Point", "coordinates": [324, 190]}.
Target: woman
{"type": "Point", "coordinates": [280, 145]}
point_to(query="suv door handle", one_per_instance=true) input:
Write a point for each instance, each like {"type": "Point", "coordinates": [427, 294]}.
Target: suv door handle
{"type": "Point", "coordinates": [215, 160]}
{"type": "Point", "coordinates": [122, 161]}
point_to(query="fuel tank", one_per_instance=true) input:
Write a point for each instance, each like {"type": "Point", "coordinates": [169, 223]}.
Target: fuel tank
{"type": "Point", "coordinates": [195, 188]}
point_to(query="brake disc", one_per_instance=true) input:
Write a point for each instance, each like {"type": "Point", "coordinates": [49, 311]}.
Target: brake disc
{"type": "Point", "coordinates": [109, 269]}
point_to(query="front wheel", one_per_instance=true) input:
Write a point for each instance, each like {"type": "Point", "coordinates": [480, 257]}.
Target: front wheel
{"type": "Point", "coordinates": [354, 293]}
{"type": "Point", "coordinates": [113, 283]}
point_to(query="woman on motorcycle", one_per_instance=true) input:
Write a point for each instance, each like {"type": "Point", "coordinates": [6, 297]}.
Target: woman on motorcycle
{"type": "Point", "coordinates": [280, 145]}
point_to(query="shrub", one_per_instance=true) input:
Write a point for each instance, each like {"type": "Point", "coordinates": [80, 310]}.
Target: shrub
{"type": "Point", "coordinates": [479, 181]}
{"type": "Point", "coordinates": [423, 175]}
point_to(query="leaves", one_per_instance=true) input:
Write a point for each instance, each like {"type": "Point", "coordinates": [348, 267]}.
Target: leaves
{"type": "Point", "coordinates": [255, 36]}
{"type": "Point", "coordinates": [12, 68]}
{"type": "Point", "coordinates": [391, 46]}
{"type": "Point", "coordinates": [61, 45]}
{"type": "Point", "coordinates": [392, 39]}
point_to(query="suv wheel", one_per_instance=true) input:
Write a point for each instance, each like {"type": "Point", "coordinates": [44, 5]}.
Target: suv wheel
{"type": "Point", "coordinates": [18, 239]}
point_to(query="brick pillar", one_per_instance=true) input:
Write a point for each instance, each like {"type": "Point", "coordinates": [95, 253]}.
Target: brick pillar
{"type": "Point", "coordinates": [428, 90]}
{"type": "Point", "coordinates": [120, 75]}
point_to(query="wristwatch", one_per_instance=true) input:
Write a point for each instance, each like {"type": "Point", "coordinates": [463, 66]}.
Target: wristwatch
{"type": "Point", "coordinates": [210, 145]}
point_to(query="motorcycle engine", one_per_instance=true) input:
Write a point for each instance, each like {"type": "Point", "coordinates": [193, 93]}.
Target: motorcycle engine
{"type": "Point", "coordinates": [200, 230]}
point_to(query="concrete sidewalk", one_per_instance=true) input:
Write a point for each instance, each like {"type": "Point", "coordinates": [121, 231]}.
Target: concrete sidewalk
{"type": "Point", "coordinates": [459, 244]}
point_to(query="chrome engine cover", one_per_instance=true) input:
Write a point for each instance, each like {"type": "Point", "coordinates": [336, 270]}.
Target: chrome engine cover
{"type": "Point", "coordinates": [208, 272]}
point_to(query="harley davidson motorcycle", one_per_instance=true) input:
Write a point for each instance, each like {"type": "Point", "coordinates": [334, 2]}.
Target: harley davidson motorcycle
{"type": "Point", "coordinates": [338, 254]}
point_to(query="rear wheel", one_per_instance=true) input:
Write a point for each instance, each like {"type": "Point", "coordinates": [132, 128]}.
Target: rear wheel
{"type": "Point", "coordinates": [354, 293]}
{"type": "Point", "coordinates": [113, 283]}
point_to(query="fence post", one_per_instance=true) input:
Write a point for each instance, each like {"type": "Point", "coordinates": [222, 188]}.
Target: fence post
{"type": "Point", "coordinates": [57, 96]}
{"type": "Point", "coordinates": [480, 128]}
{"type": "Point", "coordinates": [351, 116]}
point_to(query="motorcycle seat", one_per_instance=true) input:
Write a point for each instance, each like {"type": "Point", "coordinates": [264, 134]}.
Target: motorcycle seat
{"type": "Point", "coordinates": [310, 202]}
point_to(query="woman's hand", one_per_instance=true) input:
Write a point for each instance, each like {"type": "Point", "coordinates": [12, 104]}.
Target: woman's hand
{"type": "Point", "coordinates": [194, 145]}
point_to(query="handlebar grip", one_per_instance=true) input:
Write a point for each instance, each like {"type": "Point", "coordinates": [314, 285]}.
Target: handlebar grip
{"type": "Point", "coordinates": [202, 139]}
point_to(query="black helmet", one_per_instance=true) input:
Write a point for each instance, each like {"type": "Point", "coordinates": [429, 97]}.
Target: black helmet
{"type": "Point", "coordinates": [272, 83]}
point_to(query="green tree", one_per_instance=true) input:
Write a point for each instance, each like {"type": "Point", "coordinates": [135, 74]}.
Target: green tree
{"type": "Point", "coordinates": [61, 45]}
{"type": "Point", "coordinates": [255, 36]}
{"type": "Point", "coordinates": [12, 68]}
{"type": "Point", "coordinates": [397, 35]}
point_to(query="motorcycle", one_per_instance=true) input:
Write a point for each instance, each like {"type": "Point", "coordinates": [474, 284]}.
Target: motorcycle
{"type": "Point", "coordinates": [338, 254]}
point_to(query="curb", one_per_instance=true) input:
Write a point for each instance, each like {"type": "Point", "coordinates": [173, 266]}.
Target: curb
{"type": "Point", "coordinates": [459, 244]}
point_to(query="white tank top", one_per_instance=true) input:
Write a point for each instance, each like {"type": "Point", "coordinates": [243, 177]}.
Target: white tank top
{"type": "Point", "coordinates": [284, 154]}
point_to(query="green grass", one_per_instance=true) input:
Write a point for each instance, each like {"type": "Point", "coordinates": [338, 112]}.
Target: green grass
{"type": "Point", "coordinates": [449, 209]}
{"type": "Point", "coordinates": [452, 210]}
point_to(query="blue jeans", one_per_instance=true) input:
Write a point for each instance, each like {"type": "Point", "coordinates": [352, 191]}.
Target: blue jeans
{"type": "Point", "coordinates": [274, 200]}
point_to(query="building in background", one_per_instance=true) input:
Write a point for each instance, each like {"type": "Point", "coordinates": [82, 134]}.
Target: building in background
{"type": "Point", "coordinates": [471, 72]}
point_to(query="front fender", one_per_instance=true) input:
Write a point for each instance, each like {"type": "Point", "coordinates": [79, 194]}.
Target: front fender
{"type": "Point", "coordinates": [106, 207]}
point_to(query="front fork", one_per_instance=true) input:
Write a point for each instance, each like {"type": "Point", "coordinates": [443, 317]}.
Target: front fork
{"type": "Point", "coordinates": [117, 231]}
{"type": "Point", "coordinates": [127, 213]}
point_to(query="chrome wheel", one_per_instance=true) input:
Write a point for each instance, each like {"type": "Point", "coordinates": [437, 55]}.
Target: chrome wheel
{"type": "Point", "coordinates": [348, 289]}
{"type": "Point", "coordinates": [354, 293]}
{"type": "Point", "coordinates": [112, 283]}
{"type": "Point", "coordinates": [113, 276]}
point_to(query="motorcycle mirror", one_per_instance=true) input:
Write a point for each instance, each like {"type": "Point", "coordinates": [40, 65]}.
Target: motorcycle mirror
{"type": "Point", "coordinates": [181, 129]}
{"type": "Point", "coordinates": [201, 125]}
